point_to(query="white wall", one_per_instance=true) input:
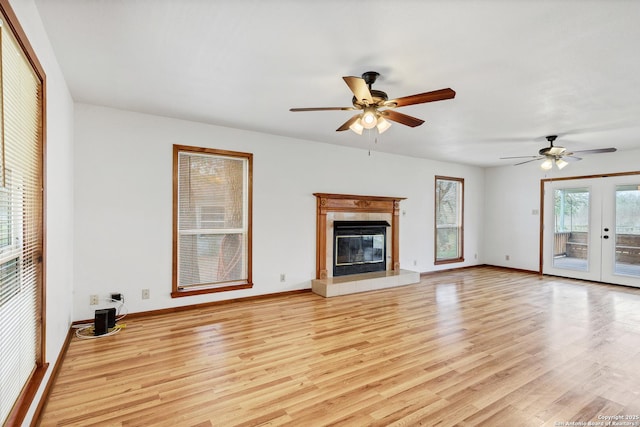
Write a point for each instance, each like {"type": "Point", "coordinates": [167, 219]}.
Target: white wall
{"type": "Point", "coordinates": [59, 190]}
{"type": "Point", "coordinates": [123, 204]}
{"type": "Point", "coordinates": [513, 193]}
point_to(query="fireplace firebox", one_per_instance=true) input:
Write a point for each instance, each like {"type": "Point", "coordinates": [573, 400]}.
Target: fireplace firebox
{"type": "Point", "coordinates": [359, 247]}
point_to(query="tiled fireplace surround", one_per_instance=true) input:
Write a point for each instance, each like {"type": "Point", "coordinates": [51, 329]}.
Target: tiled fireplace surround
{"type": "Point", "coordinates": [344, 207]}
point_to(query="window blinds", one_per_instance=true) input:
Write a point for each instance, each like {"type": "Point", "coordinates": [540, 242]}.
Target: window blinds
{"type": "Point", "coordinates": [212, 220]}
{"type": "Point", "coordinates": [20, 220]}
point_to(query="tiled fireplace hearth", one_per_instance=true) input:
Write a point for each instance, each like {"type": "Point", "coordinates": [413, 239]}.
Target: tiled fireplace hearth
{"type": "Point", "coordinates": [358, 210]}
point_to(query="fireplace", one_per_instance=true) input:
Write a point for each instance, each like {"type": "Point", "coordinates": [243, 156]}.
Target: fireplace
{"type": "Point", "coordinates": [337, 208]}
{"type": "Point", "coordinates": [358, 240]}
{"type": "Point", "coordinates": [359, 247]}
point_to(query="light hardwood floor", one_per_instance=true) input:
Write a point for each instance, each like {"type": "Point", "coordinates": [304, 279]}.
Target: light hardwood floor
{"type": "Point", "coordinates": [479, 346]}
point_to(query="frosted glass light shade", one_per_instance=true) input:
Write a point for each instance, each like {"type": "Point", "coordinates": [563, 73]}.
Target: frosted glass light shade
{"type": "Point", "coordinates": [368, 118]}
{"type": "Point", "coordinates": [561, 163]}
{"type": "Point", "coordinates": [357, 127]}
{"type": "Point", "coordinates": [383, 124]}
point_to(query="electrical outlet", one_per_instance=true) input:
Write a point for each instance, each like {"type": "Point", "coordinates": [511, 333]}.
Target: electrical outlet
{"type": "Point", "coordinates": [283, 277]}
{"type": "Point", "coordinates": [415, 262]}
{"type": "Point", "coordinates": [94, 300]}
{"type": "Point", "coordinates": [506, 257]}
{"type": "Point", "coordinates": [145, 294]}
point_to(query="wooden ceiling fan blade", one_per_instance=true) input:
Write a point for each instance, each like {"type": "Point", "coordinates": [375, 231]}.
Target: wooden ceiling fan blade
{"type": "Point", "coordinates": [521, 157]}
{"type": "Point", "coordinates": [571, 158]}
{"type": "Point", "coordinates": [421, 98]}
{"type": "Point", "coordinates": [528, 161]}
{"type": "Point", "coordinates": [359, 88]}
{"type": "Point", "coordinates": [345, 125]}
{"type": "Point", "coordinates": [321, 109]}
{"type": "Point", "coordinates": [401, 118]}
{"type": "Point", "coordinates": [595, 151]}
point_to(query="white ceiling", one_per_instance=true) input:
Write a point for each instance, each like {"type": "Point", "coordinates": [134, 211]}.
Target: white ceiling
{"type": "Point", "coordinates": [521, 69]}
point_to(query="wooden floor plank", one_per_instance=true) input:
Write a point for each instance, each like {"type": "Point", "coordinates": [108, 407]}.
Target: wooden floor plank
{"type": "Point", "coordinates": [478, 346]}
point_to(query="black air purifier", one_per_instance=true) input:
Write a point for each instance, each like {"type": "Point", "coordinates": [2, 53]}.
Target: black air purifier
{"type": "Point", "coordinates": [111, 317]}
{"type": "Point", "coordinates": [101, 322]}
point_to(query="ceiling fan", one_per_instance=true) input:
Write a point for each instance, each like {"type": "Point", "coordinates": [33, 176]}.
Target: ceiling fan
{"type": "Point", "coordinates": [372, 102]}
{"type": "Point", "coordinates": [556, 155]}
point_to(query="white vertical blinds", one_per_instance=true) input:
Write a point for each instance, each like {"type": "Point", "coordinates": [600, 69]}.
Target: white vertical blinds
{"type": "Point", "coordinates": [212, 220]}
{"type": "Point", "coordinates": [20, 220]}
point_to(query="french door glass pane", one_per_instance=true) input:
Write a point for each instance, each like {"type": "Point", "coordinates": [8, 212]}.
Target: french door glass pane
{"type": "Point", "coordinates": [571, 228]}
{"type": "Point", "coordinates": [627, 230]}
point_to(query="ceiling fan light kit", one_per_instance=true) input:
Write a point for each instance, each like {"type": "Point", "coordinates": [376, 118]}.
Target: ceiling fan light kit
{"type": "Point", "coordinates": [548, 163]}
{"type": "Point", "coordinates": [368, 118]}
{"type": "Point", "coordinates": [370, 101]}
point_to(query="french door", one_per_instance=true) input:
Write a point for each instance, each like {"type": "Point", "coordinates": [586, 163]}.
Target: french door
{"type": "Point", "coordinates": [592, 229]}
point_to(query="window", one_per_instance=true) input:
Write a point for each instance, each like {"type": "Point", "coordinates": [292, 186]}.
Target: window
{"type": "Point", "coordinates": [22, 359]}
{"type": "Point", "coordinates": [10, 242]}
{"type": "Point", "coordinates": [212, 220]}
{"type": "Point", "coordinates": [449, 220]}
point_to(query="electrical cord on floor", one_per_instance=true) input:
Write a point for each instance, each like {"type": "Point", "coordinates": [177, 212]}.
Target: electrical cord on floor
{"type": "Point", "coordinates": [122, 306]}
{"type": "Point", "coordinates": [86, 331]}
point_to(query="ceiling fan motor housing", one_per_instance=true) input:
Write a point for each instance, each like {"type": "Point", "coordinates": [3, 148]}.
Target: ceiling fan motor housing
{"type": "Point", "coordinates": [552, 150]}
{"type": "Point", "coordinates": [379, 97]}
